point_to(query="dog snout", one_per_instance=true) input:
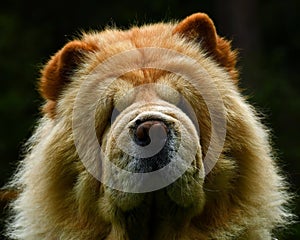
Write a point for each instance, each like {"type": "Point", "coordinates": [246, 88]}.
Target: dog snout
{"type": "Point", "coordinates": [150, 131]}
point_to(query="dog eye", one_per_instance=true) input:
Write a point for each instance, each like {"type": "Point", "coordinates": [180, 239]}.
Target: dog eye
{"type": "Point", "coordinates": [187, 108]}
{"type": "Point", "coordinates": [120, 104]}
{"type": "Point", "coordinates": [115, 113]}
{"type": "Point", "coordinates": [167, 93]}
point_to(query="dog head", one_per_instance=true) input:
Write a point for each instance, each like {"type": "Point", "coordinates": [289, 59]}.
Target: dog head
{"type": "Point", "coordinates": [144, 110]}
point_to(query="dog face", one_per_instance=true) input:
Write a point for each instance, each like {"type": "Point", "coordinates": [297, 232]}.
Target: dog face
{"type": "Point", "coordinates": [158, 142]}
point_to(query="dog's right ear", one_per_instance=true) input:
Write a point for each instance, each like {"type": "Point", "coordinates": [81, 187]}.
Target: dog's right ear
{"type": "Point", "coordinates": [200, 29]}
{"type": "Point", "coordinates": [58, 71]}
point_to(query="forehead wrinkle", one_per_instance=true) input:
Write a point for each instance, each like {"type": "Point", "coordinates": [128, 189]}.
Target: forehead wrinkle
{"type": "Point", "coordinates": [144, 76]}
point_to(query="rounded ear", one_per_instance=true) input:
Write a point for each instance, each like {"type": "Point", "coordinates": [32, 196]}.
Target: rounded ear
{"type": "Point", "coordinates": [200, 28]}
{"type": "Point", "coordinates": [58, 71]}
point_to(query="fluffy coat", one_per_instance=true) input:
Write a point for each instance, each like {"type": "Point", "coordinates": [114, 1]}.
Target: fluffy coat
{"type": "Point", "coordinates": [242, 197]}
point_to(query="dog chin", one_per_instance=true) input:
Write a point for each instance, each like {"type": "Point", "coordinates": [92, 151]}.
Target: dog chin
{"type": "Point", "coordinates": [177, 194]}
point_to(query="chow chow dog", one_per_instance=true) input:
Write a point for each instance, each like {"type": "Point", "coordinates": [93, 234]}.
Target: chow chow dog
{"type": "Point", "coordinates": [145, 135]}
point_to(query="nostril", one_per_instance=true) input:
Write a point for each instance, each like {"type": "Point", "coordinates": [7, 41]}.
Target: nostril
{"type": "Point", "coordinates": [158, 132]}
{"type": "Point", "coordinates": [150, 131]}
{"type": "Point", "coordinates": [142, 137]}
{"type": "Point", "coordinates": [138, 122]}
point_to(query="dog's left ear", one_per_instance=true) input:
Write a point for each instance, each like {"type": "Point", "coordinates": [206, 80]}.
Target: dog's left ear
{"type": "Point", "coordinates": [200, 28]}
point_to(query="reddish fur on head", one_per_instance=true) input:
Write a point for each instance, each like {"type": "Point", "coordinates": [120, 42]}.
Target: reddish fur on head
{"type": "Point", "coordinates": [200, 28]}
{"type": "Point", "coordinates": [197, 27]}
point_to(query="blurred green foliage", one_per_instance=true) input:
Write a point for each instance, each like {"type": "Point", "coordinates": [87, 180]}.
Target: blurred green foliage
{"type": "Point", "coordinates": [267, 33]}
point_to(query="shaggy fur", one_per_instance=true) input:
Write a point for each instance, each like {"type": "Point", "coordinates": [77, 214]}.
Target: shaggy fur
{"type": "Point", "coordinates": [243, 197]}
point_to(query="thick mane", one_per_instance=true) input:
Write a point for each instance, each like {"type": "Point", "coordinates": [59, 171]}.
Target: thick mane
{"type": "Point", "coordinates": [244, 196]}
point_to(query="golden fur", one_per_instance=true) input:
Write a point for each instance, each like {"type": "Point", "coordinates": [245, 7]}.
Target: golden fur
{"type": "Point", "coordinates": [243, 197]}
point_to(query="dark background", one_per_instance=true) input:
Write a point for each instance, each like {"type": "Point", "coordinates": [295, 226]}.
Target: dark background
{"type": "Point", "coordinates": [266, 32]}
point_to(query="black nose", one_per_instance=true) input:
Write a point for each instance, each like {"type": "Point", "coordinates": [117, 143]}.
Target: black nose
{"type": "Point", "coordinates": [150, 131]}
